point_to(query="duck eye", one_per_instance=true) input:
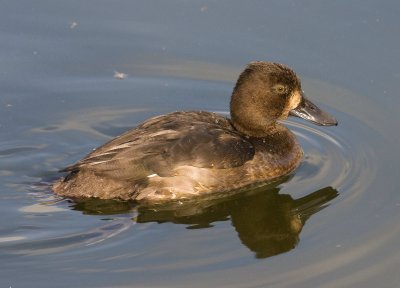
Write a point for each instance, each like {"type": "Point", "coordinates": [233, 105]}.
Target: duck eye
{"type": "Point", "coordinates": [280, 89]}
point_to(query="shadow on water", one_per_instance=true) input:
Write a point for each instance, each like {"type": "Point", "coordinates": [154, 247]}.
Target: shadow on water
{"type": "Point", "coordinates": [268, 223]}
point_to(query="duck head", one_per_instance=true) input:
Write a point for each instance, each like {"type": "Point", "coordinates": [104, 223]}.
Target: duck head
{"type": "Point", "coordinates": [266, 92]}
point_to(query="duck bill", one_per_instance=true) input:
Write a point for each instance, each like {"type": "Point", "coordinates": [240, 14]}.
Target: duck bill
{"type": "Point", "coordinates": [310, 112]}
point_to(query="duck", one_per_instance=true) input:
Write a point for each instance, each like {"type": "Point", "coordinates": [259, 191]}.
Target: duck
{"type": "Point", "coordinates": [185, 154]}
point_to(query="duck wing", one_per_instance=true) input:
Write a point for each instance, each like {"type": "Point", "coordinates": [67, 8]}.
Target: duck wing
{"type": "Point", "coordinates": [199, 139]}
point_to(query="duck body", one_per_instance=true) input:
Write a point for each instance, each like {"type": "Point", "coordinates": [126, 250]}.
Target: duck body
{"type": "Point", "coordinates": [184, 154]}
{"type": "Point", "coordinates": [180, 155]}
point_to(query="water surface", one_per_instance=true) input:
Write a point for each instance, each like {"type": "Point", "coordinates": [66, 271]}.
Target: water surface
{"type": "Point", "coordinates": [332, 223]}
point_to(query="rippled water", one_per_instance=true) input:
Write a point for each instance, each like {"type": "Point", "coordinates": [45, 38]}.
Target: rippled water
{"type": "Point", "coordinates": [332, 223]}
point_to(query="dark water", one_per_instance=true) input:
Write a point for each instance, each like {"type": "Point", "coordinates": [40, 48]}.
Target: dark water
{"type": "Point", "coordinates": [333, 223]}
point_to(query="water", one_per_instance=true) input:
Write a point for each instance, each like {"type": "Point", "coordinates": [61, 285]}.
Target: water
{"type": "Point", "coordinates": [333, 223]}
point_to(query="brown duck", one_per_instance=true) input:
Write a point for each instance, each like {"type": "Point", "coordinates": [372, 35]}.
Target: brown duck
{"type": "Point", "coordinates": [184, 154]}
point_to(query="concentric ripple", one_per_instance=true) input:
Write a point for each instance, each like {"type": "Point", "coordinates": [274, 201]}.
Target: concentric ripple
{"type": "Point", "coordinates": [332, 159]}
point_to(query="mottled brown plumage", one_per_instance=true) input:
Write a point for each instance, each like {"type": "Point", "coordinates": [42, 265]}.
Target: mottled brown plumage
{"type": "Point", "coordinates": [183, 154]}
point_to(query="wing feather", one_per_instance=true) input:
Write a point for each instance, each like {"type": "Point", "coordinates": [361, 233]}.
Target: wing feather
{"type": "Point", "coordinates": [157, 146]}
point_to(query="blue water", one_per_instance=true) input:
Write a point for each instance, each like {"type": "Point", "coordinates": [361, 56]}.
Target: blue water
{"type": "Point", "coordinates": [59, 99]}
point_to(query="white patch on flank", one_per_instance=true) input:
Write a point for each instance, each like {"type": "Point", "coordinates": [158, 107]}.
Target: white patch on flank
{"type": "Point", "coordinates": [152, 175]}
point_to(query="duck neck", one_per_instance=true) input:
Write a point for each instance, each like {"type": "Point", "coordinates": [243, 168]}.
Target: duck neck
{"type": "Point", "coordinates": [257, 127]}
{"type": "Point", "coordinates": [248, 117]}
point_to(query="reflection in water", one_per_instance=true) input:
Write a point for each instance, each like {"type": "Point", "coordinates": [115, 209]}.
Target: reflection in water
{"type": "Point", "coordinates": [267, 222]}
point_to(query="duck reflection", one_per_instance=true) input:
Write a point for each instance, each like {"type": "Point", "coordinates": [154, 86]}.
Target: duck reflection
{"type": "Point", "coordinates": [267, 222]}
